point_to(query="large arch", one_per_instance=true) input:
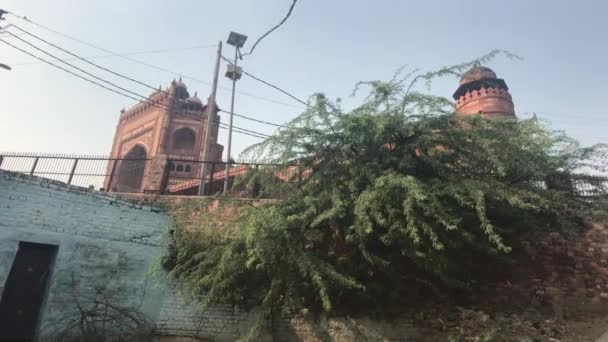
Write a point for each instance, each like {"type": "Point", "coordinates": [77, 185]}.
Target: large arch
{"type": "Point", "coordinates": [131, 170]}
{"type": "Point", "coordinates": [183, 140]}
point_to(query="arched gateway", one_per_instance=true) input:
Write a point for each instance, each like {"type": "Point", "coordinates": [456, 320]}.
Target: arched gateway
{"type": "Point", "coordinates": [131, 170]}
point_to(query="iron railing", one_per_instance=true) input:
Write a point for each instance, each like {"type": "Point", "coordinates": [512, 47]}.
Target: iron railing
{"type": "Point", "coordinates": [178, 176]}
{"type": "Point", "coordinates": [589, 186]}
{"type": "Point", "coordinates": [182, 176]}
{"type": "Point", "coordinates": [89, 171]}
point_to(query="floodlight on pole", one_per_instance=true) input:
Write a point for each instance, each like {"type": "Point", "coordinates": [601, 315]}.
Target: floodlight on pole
{"type": "Point", "coordinates": [234, 73]}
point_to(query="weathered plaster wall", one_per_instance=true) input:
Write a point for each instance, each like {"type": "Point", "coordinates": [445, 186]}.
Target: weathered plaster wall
{"type": "Point", "coordinates": [106, 245]}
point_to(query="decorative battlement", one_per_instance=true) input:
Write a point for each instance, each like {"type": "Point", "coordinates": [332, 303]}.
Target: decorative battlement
{"type": "Point", "coordinates": [483, 93]}
{"type": "Point", "coordinates": [160, 99]}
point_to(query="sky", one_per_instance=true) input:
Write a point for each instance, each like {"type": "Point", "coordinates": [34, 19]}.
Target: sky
{"type": "Point", "coordinates": [326, 46]}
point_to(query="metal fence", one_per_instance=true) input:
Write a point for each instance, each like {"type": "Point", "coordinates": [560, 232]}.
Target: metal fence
{"type": "Point", "coordinates": [180, 176]}
{"type": "Point", "coordinates": [589, 186]}
{"type": "Point", "coordinates": [136, 175]}
{"type": "Point", "coordinates": [96, 172]}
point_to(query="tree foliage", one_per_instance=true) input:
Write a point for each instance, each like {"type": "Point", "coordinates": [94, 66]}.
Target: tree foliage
{"type": "Point", "coordinates": [397, 192]}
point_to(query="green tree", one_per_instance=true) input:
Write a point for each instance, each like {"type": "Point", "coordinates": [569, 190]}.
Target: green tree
{"type": "Point", "coordinates": [397, 192]}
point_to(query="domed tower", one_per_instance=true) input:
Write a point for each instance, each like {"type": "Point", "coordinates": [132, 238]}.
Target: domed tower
{"type": "Point", "coordinates": [481, 92]}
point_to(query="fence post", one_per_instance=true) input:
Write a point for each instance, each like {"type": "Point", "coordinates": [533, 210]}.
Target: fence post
{"type": "Point", "coordinates": [256, 186]}
{"type": "Point", "coordinates": [208, 188]}
{"type": "Point", "coordinates": [34, 166]}
{"type": "Point", "coordinates": [73, 170]}
{"type": "Point", "coordinates": [112, 175]}
{"type": "Point", "coordinates": [561, 182]}
{"type": "Point", "coordinates": [1, 160]}
{"type": "Point", "coordinates": [164, 183]}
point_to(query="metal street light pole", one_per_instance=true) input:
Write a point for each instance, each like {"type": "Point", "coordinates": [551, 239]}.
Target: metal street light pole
{"type": "Point", "coordinates": [238, 40]}
{"type": "Point", "coordinates": [236, 52]}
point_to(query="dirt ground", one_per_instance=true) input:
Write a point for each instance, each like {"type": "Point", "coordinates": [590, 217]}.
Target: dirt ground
{"type": "Point", "coordinates": [586, 330]}
{"type": "Point", "coordinates": [476, 326]}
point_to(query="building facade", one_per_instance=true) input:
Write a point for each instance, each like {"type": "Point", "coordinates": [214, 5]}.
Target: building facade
{"type": "Point", "coordinates": [170, 124]}
{"type": "Point", "coordinates": [482, 92]}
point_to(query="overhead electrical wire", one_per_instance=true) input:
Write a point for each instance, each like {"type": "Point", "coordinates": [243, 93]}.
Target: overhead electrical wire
{"type": "Point", "coordinates": [113, 72]}
{"type": "Point", "coordinates": [255, 120]}
{"type": "Point", "coordinates": [268, 83]}
{"type": "Point", "coordinates": [82, 59]}
{"type": "Point", "coordinates": [125, 55]}
{"type": "Point", "coordinates": [103, 68]}
{"type": "Point", "coordinates": [96, 65]}
{"type": "Point", "coordinates": [275, 87]}
{"type": "Point", "coordinates": [143, 52]}
{"type": "Point", "coordinates": [156, 89]}
{"type": "Point", "coordinates": [152, 66]}
{"type": "Point", "coordinates": [141, 97]}
{"type": "Point", "coordinates": [293, 4]}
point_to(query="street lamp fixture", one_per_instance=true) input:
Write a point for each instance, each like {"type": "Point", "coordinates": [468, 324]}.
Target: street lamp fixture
{"type": "Point", "coordinates": [236, 39]}
{"type": "Point", "coordinates": [4, 66]}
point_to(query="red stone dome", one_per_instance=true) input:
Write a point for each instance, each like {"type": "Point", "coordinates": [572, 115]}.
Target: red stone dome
{"type": "Point", "coordinates": [481, 92]}
{"type": "Point", "coordinates": [477, 72]}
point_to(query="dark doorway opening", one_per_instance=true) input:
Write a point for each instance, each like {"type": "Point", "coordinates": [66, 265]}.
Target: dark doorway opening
{"type": "Point", "coordinates": [184, 140]}
{"type": "Point", "coordinates": [25, 290]}
{"type": "Point", "coordinates": [132, 170]}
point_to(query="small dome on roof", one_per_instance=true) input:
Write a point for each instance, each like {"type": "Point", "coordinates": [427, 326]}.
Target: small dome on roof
{"type": "Point", "coordinates": [477, 72]}
{"type": "Point", "coordinates": [194, 99]}
{"type": "Point", "coordinates": [180, 84]}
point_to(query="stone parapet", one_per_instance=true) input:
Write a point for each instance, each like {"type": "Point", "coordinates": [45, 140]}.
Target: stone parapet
{"type": "Point", "coordinates": [488, 101]}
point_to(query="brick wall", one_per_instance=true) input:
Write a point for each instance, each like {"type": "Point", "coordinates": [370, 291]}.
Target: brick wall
{"type": "Point", "coordinates": [105, 245]}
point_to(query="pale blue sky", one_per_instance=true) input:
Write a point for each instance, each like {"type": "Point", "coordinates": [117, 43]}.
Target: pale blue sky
{"type": "Point", "coordinates": [326, 46]}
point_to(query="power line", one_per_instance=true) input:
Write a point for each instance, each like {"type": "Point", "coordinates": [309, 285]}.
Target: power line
{"type": "Point", "coordinates": [82, 70]}
{"type": "Point", "coordinates": [152, 66]}
{"type": "Point", "coordinates": [252, 119]}
{"type": "Point", "coordinates": [84, 60]}
{"type": "Point", "coordinates": [293, 4]}
{"type": "Point", "coordinates": [221, 125]}
{"type": "Point", "coordinates": [275, 87]}
{"type": "Point", "coordinates": [100, 67]}
{"type": "Point", "coordinates": [143, 52]}
{"type": "Point", "coordinates": [268, 84]}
